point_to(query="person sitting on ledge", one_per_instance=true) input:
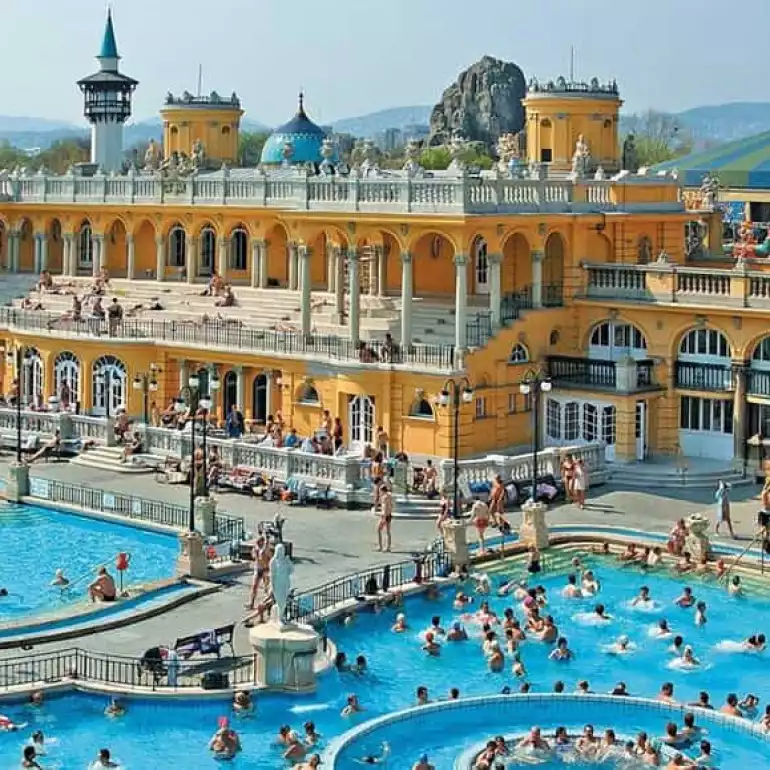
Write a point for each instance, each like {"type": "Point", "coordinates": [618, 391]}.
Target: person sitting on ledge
{"type": "Point", "coordinates": [134, 447]}
{"type": "Point", "coordinates": [103, 588]}
{"type": "Point", "coordinates": [54, 445]}
{"type": "Point", "coordinates": [227, 299]}
{"type": "Point", "coordinates": [46, 281]}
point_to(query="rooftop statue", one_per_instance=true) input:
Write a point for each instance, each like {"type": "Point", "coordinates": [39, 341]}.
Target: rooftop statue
{"type": "Point", "coordinates": [581, 158]}
{"type": "Point", "coordinates": [709, 191]}
{"type": "Point", "coordinates": [152, 156]}
{"type": "Point", "coordinates": [630, 156]}
{"type": "Point", "coordinates": [198, 154]}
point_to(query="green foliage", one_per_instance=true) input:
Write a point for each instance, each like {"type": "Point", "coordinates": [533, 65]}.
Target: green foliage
{"type": "Point", "coordinates": [57, 158]}
{"type": "Point", "coordinates": [250, 147]}
{"type": "Point", "coordinates": [659, 137]}
{"type": "Point", "coordinates": [439, 158]}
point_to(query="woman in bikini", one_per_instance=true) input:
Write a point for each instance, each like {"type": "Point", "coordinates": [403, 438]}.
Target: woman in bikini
{"type": "Point", "coordinates": [377, 474]}
{"type": "Point", "coordinates": [568, 475]}
{"type": "Point", "coordinates": [497, 501]}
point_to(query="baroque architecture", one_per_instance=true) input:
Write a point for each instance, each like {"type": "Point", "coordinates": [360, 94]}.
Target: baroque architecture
{"type": "Point", "coordinates": [362, 290]}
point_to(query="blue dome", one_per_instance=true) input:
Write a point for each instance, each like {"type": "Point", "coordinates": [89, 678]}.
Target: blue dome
{"type": "Point", "coordinates": [306, 138]}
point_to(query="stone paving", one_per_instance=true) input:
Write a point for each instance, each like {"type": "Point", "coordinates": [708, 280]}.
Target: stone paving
{"type": "Point", "coordinates": [332, 543]}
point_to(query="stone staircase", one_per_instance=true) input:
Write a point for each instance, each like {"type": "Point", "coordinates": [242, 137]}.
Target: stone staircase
{"type": "Point", "coordinates": [698, 474]}
{"type": "Point", "coordinates": [108, 458]}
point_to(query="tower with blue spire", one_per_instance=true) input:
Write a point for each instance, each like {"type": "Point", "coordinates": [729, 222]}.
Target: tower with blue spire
{"type": "Point", "coordinates": [107, 103]}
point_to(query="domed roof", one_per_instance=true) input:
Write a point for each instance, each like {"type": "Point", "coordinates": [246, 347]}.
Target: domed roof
{"type": "Point", "coordinates": [305, 136]}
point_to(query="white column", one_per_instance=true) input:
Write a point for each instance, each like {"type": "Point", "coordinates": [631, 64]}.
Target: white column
{"type": "Point", "coordinates": [331, 268]}
{"type": "Point", "coordinates": [373, 272]}
{"type": "Point", "coordinates": [130, 257]}
{"type": "Point", "coordinates": [292, 266]}
{"type": "Point", "coordinates": [382, 271]}
{"type": "Point", "coordinates": [254, 264]}
{"type": "Point", "coordinates": [36, 260]}
{"type": "Point", "coordinates": [537, 278]}
{"type": "Point", "coordinates": [263, 265]}
{"type": "Point", "coordinates": [495, 292]}
{"type": "Point", "coordinates": [354, 291]}
{"type": "Point", "coordinates": [97, 242]}
{"type": "Point", "coordinates": [240, 387]}
{"type": "Point", "coordinates": [184, 375]}
{"type": "Point", "coordinates": [66, 255]}
{"type": "Point", "coordinates": [306, 299]}
{"type": "Point", "coordinates": [191, 258]}
{"type": "Point", "coordinates": [160, 258]}
{"type": "Point", "coordinates": [406, 298]}
{"type": "Point", "coordinates": [339, 284]}
{"type": "Point", "coordinates": [223, 253]}
{"type": "Point", "coordinates": [461, 301]}
{"type": "Point", "coordinates": [43, 251]}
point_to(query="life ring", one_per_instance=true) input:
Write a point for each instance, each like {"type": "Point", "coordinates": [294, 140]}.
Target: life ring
{"type": "Point", "coordinates": [122, 561]}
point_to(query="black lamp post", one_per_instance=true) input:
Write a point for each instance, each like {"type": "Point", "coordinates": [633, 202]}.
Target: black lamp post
{"type": "Point", "coordinates": [17, 357]}
{"type": "Point", "coordinates": [456, 393]}
{"type": "Point", "coordinates": [534, 384]}
{"type": "Point", "coordinates": [147, 382]}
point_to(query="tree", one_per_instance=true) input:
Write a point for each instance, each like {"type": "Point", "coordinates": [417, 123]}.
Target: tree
{"type": "Point", "coordinates": [439, 158]}
{"type": "Point", "coordinates": [250, 147]}
{"type": "Point", "coordinates": [659, 137]}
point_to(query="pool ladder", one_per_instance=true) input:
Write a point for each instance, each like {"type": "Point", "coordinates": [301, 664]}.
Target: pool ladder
{"type": "Point", "coordinates": [760, 535]}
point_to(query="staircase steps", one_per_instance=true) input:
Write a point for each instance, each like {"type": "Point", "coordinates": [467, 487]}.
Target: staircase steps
{"type": "Point", "coordinates": [655, 476]}
{"type": "Point", "coordinates": [108, 459]}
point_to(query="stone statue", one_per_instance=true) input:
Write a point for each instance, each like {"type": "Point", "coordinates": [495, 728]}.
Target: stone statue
{"type": "Point", "coordinates": [169, 98]}
{"type": "Point", "coordinates": [287, 152]}
{"type": "Point", "coordinates": [561, 83]}
{"type": "Point", "coordinates": [594, 85]}
{"type": "Point", "coordinates": [198, 154]}
{"type": "Point", "coordinates": [457, 149]}
{"type": "Point", "coordinates": [630, 157]}
{"type": "Point", "coordinates": [580, 158]}
{"type": "Point", "coordinates": [508, 152]}
{"type": "Point", "coordinates": [281, 571]}
{"type": "Point", "coordinates": [599, 175]}
{"type": "Point", "coordinates": [152, 156]}
{"type": "Point", "coordinates": [709, 190]}
{"type": "Point", "coordinates": [187, 97]}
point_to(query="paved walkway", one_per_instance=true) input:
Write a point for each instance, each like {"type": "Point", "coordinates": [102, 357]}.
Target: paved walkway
{"type": "Point", "coordinates": [332, 543]}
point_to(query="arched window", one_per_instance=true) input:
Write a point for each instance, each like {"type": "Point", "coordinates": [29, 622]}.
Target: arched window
{"type": "Point", "coordinates": [308, 394]}
{"type": "Point", "coordinates": [421, 408]}
{"type": "Point", "coordinates": [225, 130]}
{"type": "Point", "coordinates": [32, 383]}
{"type": "Point", "coordinates": [109, 385]}
{"type": "Point", "coordinates": [545, 123]}
{"type": "Point", "coordinates": [590, 422]}
{"type": "Point", "coordinates": [85, 246]}
{"type": "Point", "coordinates": [208, 250]}
{"type": "Point", "coordinates": [760, 358]}
{"type": "Point", "coordinates": [644, 250]}
{"type": "Point", "coordinates": [481, 266]}
{"type": "Point", "coordinates": [177, 247]}
{"type": "Point", "coordinates": [259, 398]}
{"type": "Point", "coordinates": [174, 131]}
{"type": "Point", "coordinates": [230, 391]}
{"type": "Point", "coordinates": [553, 419]}
{"type": "Point", "coordinates": [66, 373]}
{"type": "Point", "coordinates": [519, 354]}
{"type": "Point", "coordinates": [704, 345]}
{"type": "Point", "coordinates": [239, 249]}
{"type": "Point", "coordinates": [610, 341]}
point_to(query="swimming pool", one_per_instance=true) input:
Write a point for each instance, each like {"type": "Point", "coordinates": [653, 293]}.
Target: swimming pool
{"type": "Point", "coordinates": [178, 731]}
{"type": "Point", "coordinates": [35, 542]}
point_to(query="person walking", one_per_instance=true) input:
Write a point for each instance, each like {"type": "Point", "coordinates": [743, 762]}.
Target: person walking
{"type": "Point", "coordinates": [579, 483]}
{"type": "Point", "coordinates": [234, 424]}
{"type": "Point", "coordinates": [386, 517]}
{"type": "Point", "coordinates": [722, 499]}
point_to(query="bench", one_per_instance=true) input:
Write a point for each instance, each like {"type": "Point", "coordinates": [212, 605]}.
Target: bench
{"type": "Point", "coordinates": [206, 642]}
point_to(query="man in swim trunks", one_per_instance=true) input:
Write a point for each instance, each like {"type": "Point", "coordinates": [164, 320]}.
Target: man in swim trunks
{"type": "Point", "coordinates": [103, 588]}
{"type": "Point", "coordinates": [260, 555]}
{"type": "Point", "coordinates": [480, 519]}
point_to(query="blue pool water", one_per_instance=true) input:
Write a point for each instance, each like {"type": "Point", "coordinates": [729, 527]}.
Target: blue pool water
{"type": "Point", "coordinates": [173, 734]}
{"type": "Point", "coordinates": [35, 542]}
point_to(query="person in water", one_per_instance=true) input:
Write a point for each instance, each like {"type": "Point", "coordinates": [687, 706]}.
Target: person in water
{"type": "Point", "coordinates": [312, 736]}
{"type": "Point", "coordinates": [29, 758]}
{"type": "Point", "coordinates": [700, 614]}
{"type": "Point", "coordinates": [376, 759]}
{"type": "Point", "coordinates": [353, 706]}
{"type": "Point", "coordinates": [534, 740]}
{"type": "Point", "coordinates": [400, 625]}
{"type": "Point", "coordinates": [686, 600]}
{"type": "Point", "coordinates": [104, 759]}
{"type": "Point", "coordinates": [571, 590]}
{"type": "Point", "coordinates": [735, 588]}
{"type": "Point", "coordinates": [115, 708]}
{"type": "Point", "coordinates": [242, 702]}
{"type": "Point", "coordinates": [561, 652]}
{"type": "Point", "coordinates": [431, 646]}
{"type": "Point", "coordinates": [225, 741]}
{"type": "Point", "coordinates": [59, 579]}
{"type": "Point", "coordinates": [643, 597]}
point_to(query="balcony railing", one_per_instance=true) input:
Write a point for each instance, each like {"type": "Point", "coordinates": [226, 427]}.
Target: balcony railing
{"type": "Point", "coordinates": [716, 378]}
{"type": "Point", "coordinates": [758, 382]}
{"type": "Point", "coordinates": [679, 285]}
{"type": "Point", "coordinates": [625, 376]}
{"type": "Point", "coordinates": [235, 337]}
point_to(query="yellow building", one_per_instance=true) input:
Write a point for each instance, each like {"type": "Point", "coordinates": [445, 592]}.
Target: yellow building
{"type": "Point", "coordinates": [362, 293]}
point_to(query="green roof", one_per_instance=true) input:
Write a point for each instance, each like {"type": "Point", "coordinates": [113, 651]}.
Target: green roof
{"type": "Point", "coordinates": [741, 164]}
{"type": "Point", "coordinates": [109, 46]}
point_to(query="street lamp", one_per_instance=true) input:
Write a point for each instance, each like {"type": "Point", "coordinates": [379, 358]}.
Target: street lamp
{"type": "Point", "coordinates": [16, 357]}
{"type": "Point", "coordinates": [534, 384]}
{"type": "Point", "coordinates": [456, 393]}
{"type": "Point", "coordinates": [147, 382]}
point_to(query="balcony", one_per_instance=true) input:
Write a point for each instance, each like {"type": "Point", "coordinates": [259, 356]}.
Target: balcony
{"type": "Point", "coordinates": [714, 378]}
{"type": "Point", "coordinates": [674, 284]}
{"type": "Point", "coordinates": [758, 383]}
{"type": "Point", "coordinates": [625, 376]}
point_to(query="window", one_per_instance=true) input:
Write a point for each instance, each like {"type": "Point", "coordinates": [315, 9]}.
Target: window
{"type": "Point", "coordinates": [239, 249]}
{"type": "Point", "coordinates": [590, 422]}
{"type": "Point", "coordinates": [644, 250]}
{"type": "Point", "coordinates": [519, 354]}
{"type": "Point", "coordinates": [481, 407]}
{"type": "Point", "coordinates": [225, 130]}
{"type": "Point", "coordinates": [308, 395]}
{"type": "Point", "coordinates": [422, 408]}
{"type": "Point", "coordinates": [67, 372]}
{"type": "Point", "coordinates": [618, 339]}
{"type": "Point", "coordinates": [553, 419]}
{"type": "Point", "coordinates": [608, 425]}
{"type": "Point", "coordinates": [512, 403]}
{"type": "Point", "coordinates": [177, 246]}
{"type": "Point", "coordinates": [713, 415]}
{"type": "Point", "coordinates": [571, 421]}
{"type": "Point", "coordinates": [704, 343]}
{"type": "Point", "coordinates": [761, 356]}
{"type": "Point", "coordinates": [85, 246]}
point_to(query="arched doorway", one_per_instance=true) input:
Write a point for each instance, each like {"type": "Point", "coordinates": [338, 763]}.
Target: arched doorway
{"type": "Point", "coordinates": [176, 256]}
{"type": "Point", "coordinates": [553, 269]}
{"type": "Point", "coordinates": [27, 248]}
{"type": "Point", "coordinates": [230, 391]}
{"type": "Point", "coordinates": [207, 255]}
{"type": "Point", "coordinates": [85, 247]}
{"type": "Point", "coordinates": [66, 374]}
{"type": "Point", "coordinates": [238, 259]}
{"type": "Point", "coordinates": [481, 277]}
{"type": "Point", "coordinates": [259, 399]}
{"type": "Point", "coordinates": [361, 416]}
{"type": "Point", "coordinates": [32, 377]}
{"type": "Point", "coordinates": [277, 257]}
{"type": "Point", "coordinates": [114, 258]}
{"type": "Point", "coordinates": [108, 385]}
{"type": "Point", "coordinates": [55, 247]}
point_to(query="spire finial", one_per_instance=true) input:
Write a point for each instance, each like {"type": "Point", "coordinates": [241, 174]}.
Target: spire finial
{"type": "Point", "coordinates": [301, 110]}
{"type": "Point", "coordinates": [109, 46]}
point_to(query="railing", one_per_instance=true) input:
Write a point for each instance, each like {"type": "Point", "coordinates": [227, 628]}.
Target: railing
{"type": "Point", "coordinates": [293, 189]}
{"type": "Point", "coordinates": [711, 377]}
{"type": "Point", "coordinates": [758, 382]}
{"type": "Point", "coordinates": [582, 371]}
{"type": "Point", "coordinates": [236, 337]}
{"type": "Point", "coordinates": [308, 606]}
{"type": "Point", "coordinates": [76, 665]}
{"type": "Point", "coordinates": [229, 529]}
{"type": "Point", "coordinates": [645, 374]}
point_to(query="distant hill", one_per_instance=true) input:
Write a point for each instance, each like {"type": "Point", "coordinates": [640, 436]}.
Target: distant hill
{"type": "Point", "coordinates": [725, 122]}
{"type": "Point", "coordinates": [375, 122]}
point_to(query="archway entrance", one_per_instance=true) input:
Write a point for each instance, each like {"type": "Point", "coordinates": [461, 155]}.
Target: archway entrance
{"type": "Point", "coordinates": [259, 399]}
{"type": "Point", "coordinates": [361, 420]}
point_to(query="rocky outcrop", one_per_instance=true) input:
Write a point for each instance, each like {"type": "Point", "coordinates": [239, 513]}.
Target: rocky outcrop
{"type": "Point", "coordinates": [482, 104]}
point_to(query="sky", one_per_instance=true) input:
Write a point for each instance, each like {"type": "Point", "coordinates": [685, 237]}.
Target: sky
{"type": "Point", "coordinates": [357, 56]}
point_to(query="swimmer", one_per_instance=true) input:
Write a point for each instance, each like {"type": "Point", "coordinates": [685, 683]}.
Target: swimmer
{"type": "Point", "coordinates": [561, 740]}
{"type": "Point", "coordinates": [242, 703]}
{"type": "Point", "coordinates": [685, 564]}
{"type": "Point", "coordinates": [621, 646]}
{"type": "Point", "coordinates": [341, 661]}
{"type": "Point", "coordinates": [371, 759]}
{"type": "Point", "coordinates": [59, 579]}
{"type": "Point", "coordinates": [516, 632]}
{"type": "Point", "coordinates": [643, 597]}
{"type": "Point", "coordinates": [686, 599]}
{"type": "Point", "coordinates": [587, 744]}
{"type": "Point", "coordinates": [620, 689]}
{"type": "Point", "coordinates": [115, 708]}
{"type": "Point", "coordinates": [431, 646]}
{"type": "Point", "coordinates": [534, 740]}
{"type": "Point", "coordinates": [629, 553]}
{"type": "Point", "coordinates": [508, 618]}
{"type": "Point", "coordinates": [764, 723]}
{"type": "Point", "coordinates": [38, 741]}
{"type": "Point", "coordinates": [454, 693]}
{"type": "Point", "coordinates": [312, 736]}
{"type": "Point", "coordinates": [29, 758]}
{"type": "Point", "coordinates": [400, 625]}
{"type": "Point", "coordinates": [600, 613]}
{"type": "Point", "coordinates": [314, 761]}
{"type": "Point", "coordinates": [360, 666]}
{"type": "Point", "coordinates": [225, 742]}
{"type": "Point", "coordinates": [483, 586]}
{"type": "Point", "coordinates": [590, 584]}
{"type": "Point", "coordinates": [700, 614]}
{"type": "Point", "coordinates": [583, 688]}
{"type": "Point", "coordinates": [735, 588]}
{"type": "Point", "coordinates": [730, 706]}
{"type": "Point", "coordinates": [755, 643]}
{"type": "Point", "coordinates": [679, 761]}
{"type": "Point", "coordinates": [662, 630]}
{"type": "Point", "coordinates": [517, 668]}
{"type": "Point", "coordinates": [422, 695]}
{"type": "Point", "coordinates": [495, 659]}
{"type": "Point", "coordinates": [423, 764]}
{"type": "Point", "coordinates": [36, 699]}
{"type": "Point", "coordinates": [577, 564]}
{"type": "Point", "coordinates": [540, 596]}
{"type": "Point", "coordinates": [490, 638]}
{"type": "Point", "coordinates": [571, 590]}
{"type": "Point", "coordinates": [516, 587]}
{"type": "Point", "coordinates": [435, 626]}
{"type": "Point", "coordinates": [461, 601]}
{"type": "Point", "coordinates": [690, 731]}
{"type": "Point", "coordinates": [103, 759]}
{"type": "Point", "coordinates": [485, 614]}
{"type": "Point", "coordinates": [703, 702]}
{"type": "Point", "coordinates": [353, 706]}
{"type": "Point", "coordinates": [688, 658]}
{"type": "Point", "coordinates": [561, 652]}
{"type": "Point", "coordinates": [720, 568]}
{"type": "Point", "coordinates": [549, 632]}
{"type": "Point", "coordinates": [666, 693]}
{"type": "Point", "coordinates": [655, 558]}
{"type": "Point", "coordinates": [704, 760]}
{"type": "Point", "coordinates": [457, 633]}
{"type": "Point", "coordinates": [749, 706]}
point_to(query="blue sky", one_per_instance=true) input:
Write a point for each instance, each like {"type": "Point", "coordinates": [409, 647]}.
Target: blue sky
{"type": "Point", "coordinates": [357, 56]}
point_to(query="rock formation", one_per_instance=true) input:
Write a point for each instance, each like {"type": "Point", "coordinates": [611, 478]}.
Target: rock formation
{"type": "Point", "coordinates": [482, 104]}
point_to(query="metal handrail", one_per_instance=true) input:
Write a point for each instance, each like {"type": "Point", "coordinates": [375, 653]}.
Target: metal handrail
{"type": "Point", "coordinates": [759, 534]}
{"type": "Point", "coordinates": [87, 574]}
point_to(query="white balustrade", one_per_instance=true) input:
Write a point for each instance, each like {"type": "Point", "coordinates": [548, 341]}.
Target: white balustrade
{"type": "Point", "coordinates": [617, 281]}
{"type": "Point", "coordinates": [705, 284]}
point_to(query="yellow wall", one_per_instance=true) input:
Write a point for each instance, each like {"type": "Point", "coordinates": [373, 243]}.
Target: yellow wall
{"type": "Point", "coordinates": [217, 126]}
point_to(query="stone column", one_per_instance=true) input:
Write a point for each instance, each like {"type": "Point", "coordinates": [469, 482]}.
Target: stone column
{"type": "Point", "coordinates": [67, 257]}
{"type": "Point", "coordinates": [254, 282]}
{"type": "Point", "coordinates": [160, 258]}
{"type": "Point", "coordinates": [14, 238]}
{"type": "Point", "coordinates": [537, 278]}
{"type": "Point", "coordinates": [495, 289]}
{"type": "Point", "coordinates": [43, 251]}
{"type": "Point", "coordinates": [98, 253]}
{"type": "Point", "coordinates": [184, 374]}
{"type": "Point", "coordinates": [268, 392]}
{"type": "Point", "coordinates": [191, 258]}
{"type": "Point", "coordinates": [739, 414]}
{"type": "Point", "coordinates": [331, 272]}
{"type": "Point", "coordinates": [461, 301]}
{"type": "Point", "coordinates": [292, 247]}
{"type": "Point", "coordinates": [306, 298]}
{"type": "Point", "coordinates": [534, 529]}
{"type": "Point", "coordinates": [38, 249]}
{"type": "Point", "coordinates": [263, 265]}
{"type": "Point", "coordinates": [354, 290]}
{"type": "Point", "coordinates": [130, 257]}
{"type": "Point", "coordinates": [213, 394]}
{"type": "Point", "coordinates": [339, 285]}
{"type": "Point", "coordinates": [240, 387]}
{"type": "Point", "coordinates": [406, 298]}
{"type": "Point", "coordinates": [223, 254]}
{"type": "Point", "coordinates": [382, 271]}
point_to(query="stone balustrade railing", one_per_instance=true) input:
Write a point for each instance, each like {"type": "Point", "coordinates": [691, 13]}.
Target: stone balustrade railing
{"type": "Point", "coordinates": [672, 283]}
{"type": "Point", "coordinates": [45, 424]}
{"type": "Point", "coordinates": [294, 189]}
